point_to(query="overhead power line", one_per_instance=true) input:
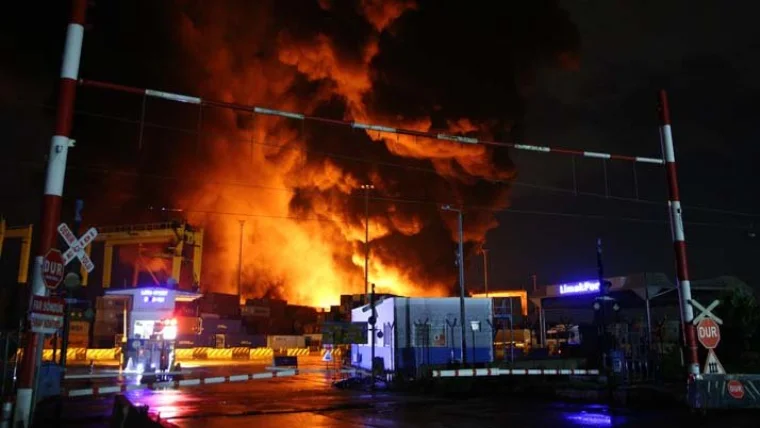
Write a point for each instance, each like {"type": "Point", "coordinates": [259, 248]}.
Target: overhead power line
{"type": "Point", "coordinates": [430, 203]}
{"type": "Point", "coordinates": [554, 189]}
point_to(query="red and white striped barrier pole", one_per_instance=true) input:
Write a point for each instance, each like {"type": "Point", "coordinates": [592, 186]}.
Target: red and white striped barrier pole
{"type": "Point", "coordinates": [514, 372]}
{"type": "Point", "coordinates": [190, 99]}
{"type": "Point", "coordinates": [181, 383]}
{"type": "Point", "coordinates": [679, 240]}
{"type": "Point", "coordinates": [51, 202]}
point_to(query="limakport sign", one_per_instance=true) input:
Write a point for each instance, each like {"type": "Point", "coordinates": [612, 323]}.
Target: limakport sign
{"type": "Point", "coordinates": [584, 287]}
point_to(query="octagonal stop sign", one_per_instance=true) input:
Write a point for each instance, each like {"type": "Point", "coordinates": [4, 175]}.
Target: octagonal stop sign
{"type": "Point", "coordinates": [708, 333]}
{"type": "Point", "coordinates": [52, 269]}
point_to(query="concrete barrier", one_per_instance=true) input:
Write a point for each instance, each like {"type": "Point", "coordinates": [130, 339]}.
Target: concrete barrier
{"type": "Point", "coordinates": [295, 352]}
{"type": "Point", "coordinates": [200, 353]}
{"type": "Point", "coordinates": [261, 353]}
{"type": "Point", "coordinates": [219, 353]}
{"type": "Point", "coordinates": [335, 352]}
{"type": "Point", "coordinates": [183, 354]}
{"type": "Point", "coordinates": [241, 353]}
{"type": "Point", "coordinates": [108, 354]}
{"type": "Point", "coordinates": [47, 354]}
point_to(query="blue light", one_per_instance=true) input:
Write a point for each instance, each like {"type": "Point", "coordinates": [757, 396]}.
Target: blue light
{"type": "Point", "coordinates": [580, 288]}
{"type": "Point", "coordinates": [585, 419]}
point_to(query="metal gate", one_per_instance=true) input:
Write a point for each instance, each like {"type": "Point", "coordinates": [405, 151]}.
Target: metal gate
{"type": "Point", "coordinates": [9, 356]}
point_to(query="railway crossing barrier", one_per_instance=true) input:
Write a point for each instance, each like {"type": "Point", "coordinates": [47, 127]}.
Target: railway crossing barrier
{"type": "Point", "coordinates": [180, 383]}
{"type": "Point", "coordinates": [514, 372]}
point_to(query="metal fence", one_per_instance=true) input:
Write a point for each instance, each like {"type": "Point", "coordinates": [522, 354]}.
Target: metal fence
{"type": "Point", "coordinates": [9, 344]}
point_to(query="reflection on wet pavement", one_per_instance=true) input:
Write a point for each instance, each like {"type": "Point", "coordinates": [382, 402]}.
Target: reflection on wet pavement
{"type": "Point", "coordinates": [309, 400]}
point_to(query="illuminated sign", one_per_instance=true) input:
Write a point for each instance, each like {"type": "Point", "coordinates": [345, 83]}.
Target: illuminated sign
{"type": "Point", "coordinates": [580, 288]}
{"type": "Point", "coordinates": [154, 292]}
{"type": "Point", "coordinates": [154, 295]}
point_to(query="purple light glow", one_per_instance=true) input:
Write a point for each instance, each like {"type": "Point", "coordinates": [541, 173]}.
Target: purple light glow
{"type": "Point", "coordinates": [580, 288]}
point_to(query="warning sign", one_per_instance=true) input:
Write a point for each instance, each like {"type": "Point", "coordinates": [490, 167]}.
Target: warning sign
{"type": "Point", "coordinates": [712, 364]}
{"type": "Point", "coordinates": [328, 356]}
{"type": "Point", "coordinates": [46, 315]}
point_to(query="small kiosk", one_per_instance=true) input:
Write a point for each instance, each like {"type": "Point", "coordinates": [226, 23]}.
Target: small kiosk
{"type": "Point", "coordinates": [150, 326]}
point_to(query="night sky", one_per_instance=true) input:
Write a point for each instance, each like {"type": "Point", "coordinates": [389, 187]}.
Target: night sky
{"type": "Point", "coordinates": [574, 74]}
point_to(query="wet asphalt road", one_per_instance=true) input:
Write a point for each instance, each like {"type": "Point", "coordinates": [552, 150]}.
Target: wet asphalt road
{"type": "Point", "coordinates": [309, 400]}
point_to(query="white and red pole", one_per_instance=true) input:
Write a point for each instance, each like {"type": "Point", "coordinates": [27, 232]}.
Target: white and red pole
{"type": "Point", "coordinates": [51, 202]}
{"type": "Point", "coordinates": [679, 240]}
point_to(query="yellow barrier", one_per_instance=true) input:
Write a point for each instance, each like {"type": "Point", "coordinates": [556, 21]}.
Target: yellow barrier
{"type": "Point", "coordinates": [102, 354]}
{"type": "Point", "coordinates": [200, 353]}
{"type": "Point", "coordinates": [294, 352]}
{"type": "Point", "coordinates": [219, 354]}
{"type": "Point", "coordinates": [336, 352]}
{"type": "Point", "coordinates": [260, 353]}
{"type": "Point", "coordinates": [240, 353]}
{"type": "Point", "coordinates": [72, 354]}
{"type": "Point", "coordinates": [183, 354]}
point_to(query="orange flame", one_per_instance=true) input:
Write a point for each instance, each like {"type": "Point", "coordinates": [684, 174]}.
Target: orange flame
{"type": "Point", "coordinates": [302, 239]}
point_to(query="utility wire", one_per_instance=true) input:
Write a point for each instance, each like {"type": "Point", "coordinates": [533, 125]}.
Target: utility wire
{"type": "Point", "coordinates": [663, 223]}
{"type": "Point", "coordinates": [384, 199]}
{"type": "Point", "coordinates": [343, 157]}
{"type": "Point", "coordinates": [430, 203]}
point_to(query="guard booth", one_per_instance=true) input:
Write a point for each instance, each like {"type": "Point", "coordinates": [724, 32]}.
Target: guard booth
{"type": "Point", "coordinates": [150, 325]}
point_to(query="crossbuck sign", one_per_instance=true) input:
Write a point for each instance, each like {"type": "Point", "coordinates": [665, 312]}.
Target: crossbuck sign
{"type": "Point", "coordinates": [77, 246]}
{"type": "Point", "coordinates": [706, 312]}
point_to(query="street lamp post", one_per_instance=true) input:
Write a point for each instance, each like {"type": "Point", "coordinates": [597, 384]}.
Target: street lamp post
{"type": "Point", "coordinates": [367, 188]}
{"type": "Point", "coordinates": [485, 269]}
{"type": "Point", "coordinates": [240, 261]}
{"type": "Point", "coordinates": [460, 263]}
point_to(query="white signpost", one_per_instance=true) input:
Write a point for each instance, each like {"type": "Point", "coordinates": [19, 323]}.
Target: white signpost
{"type": "Point", "coordinates": [708, 334]}
{"type": "Point", "coordinates": [77, 246]}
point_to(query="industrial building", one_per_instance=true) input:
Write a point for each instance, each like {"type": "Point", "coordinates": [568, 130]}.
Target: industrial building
{"type": "Point", "coordinates": [412, 332]}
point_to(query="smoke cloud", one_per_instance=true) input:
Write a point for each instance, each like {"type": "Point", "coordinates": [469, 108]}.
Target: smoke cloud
{"type": "Point", "coordinates": [434, 66]}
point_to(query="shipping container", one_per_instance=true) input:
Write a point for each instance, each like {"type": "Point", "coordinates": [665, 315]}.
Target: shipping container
{"type": "Point", "coordinates": [102, 303]}
{"type": "Point", "coordinates": [79, 328]}
{"type": "Point", "coordinates": [187, 325]}
{"type": "Point", "coordinates": [103, 329]}
{"type": "Point", "coordinates": [221, 326]}
{"type": "Point", "coordinates": [285, 342]}
{"type": "Point", "coordinates": [103, 341]}
{"type": "Point", "coordinates": [246, 340]}
{"type": "Point", "coordinates": [195, 340]}
{"type": "Point", "coordinates": [109, 315]}
{"type": "Point", "coordinates": [276, 306]}
{"type": "Point", "coordinates": [255, 311]}
{"type": "Point", "coordinates": [224, 305]}
{"type": "Point", "coordinates": [186, 309]}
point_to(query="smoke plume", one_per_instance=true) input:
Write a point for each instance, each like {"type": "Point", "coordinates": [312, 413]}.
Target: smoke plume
{"type": "Point", "coordinates": [452, 67]}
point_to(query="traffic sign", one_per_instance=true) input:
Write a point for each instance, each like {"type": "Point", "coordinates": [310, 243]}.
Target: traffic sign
{"type": "Point", "coordinates": [712, 365]}
{"type": "Point", "coordinates": [705, 312]}
{"type": "Point", "coordinates": [46, 315]}
{"type": "Point", "coordinates": [52, 269]}
{"type": "Point", "coordinates": [708, 333]}
{"type": "Point", "coordinates": [77, 246]}
{"type": "Point", "coordinates": [735, 389]}
{"type": "Point", "coordinates": [328, 356]}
